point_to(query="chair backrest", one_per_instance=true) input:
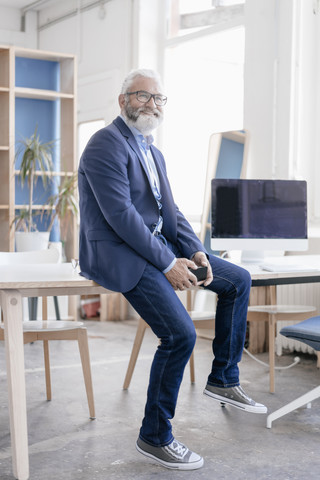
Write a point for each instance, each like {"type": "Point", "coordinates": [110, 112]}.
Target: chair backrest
{"type": "Point", "coordinates": [51, 255]}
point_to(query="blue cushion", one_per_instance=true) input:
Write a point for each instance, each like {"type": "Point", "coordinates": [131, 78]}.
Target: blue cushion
{"type": "Point", "coordinates": [307, 332]}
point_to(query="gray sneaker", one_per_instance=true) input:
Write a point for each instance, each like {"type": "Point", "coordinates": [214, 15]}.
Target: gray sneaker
{"type": "Point", "coordinates": [236, 397]}
{"type": "Point", "coordinates": [175, 455]}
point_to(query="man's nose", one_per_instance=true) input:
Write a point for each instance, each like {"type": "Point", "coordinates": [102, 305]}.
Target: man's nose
{"type": "Point", "coordinates": [152, 100]}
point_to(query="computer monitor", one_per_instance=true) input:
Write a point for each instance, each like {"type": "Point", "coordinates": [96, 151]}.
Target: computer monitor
{"type": "Point", "coordinates": [258, 215]}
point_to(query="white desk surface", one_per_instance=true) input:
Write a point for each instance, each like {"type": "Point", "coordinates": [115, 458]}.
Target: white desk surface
{"type": "Point", "coordinates": [63, 274]}
{"type": "Point", "coordinates": [38, 280]}
{"type": "Point", "coordinates": [309, 261]}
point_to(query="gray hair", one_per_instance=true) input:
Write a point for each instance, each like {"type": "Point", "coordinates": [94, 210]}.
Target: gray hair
{"type": "Point", "coordinates": [142, 72]}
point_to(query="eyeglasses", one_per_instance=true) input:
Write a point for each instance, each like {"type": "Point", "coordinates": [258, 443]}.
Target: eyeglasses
{"type": "Point", "coordinates": [144, 97]}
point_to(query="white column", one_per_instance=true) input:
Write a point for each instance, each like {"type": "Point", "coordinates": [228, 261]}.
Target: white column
{"type": "Point", "coordinates": [282, 105]}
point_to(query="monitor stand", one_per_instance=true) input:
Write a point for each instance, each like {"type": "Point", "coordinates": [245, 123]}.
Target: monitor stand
{"type": "Point", "coordinates": [252, 256]}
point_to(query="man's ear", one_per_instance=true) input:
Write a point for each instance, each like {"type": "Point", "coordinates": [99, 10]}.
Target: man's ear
{"type": "Point", "coordinates": [121, 100]}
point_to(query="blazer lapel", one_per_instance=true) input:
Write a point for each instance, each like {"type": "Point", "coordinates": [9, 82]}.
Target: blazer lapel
{"type": "Point", "coordinates": [168, 205]}
{"type": "Point", "coordinates": [126, 132]}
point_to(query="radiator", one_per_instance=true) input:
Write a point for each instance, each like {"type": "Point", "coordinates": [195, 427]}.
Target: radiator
{"type": "Point", "coordinates": [302, 294]}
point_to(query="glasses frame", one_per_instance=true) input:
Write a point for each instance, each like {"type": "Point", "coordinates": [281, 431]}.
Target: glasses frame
{"type": "Point", "coordinates": [151, 95]}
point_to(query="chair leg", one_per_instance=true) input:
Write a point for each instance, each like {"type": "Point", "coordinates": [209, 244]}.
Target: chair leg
{"type": "Point", "coordinates": [86, 368]}
{"type": "Point", "coordinates": [272, 294]}
{"type": "Point", "coordinates": [47, 368]}
{"type": "Point", "coordinates": [46, 351]}
{"type": "Point", "coordinates": [290, 407]}
{"type": "Point", "coordinates": [142, 326]}
{"type": "Point", "coordinates": [191, 362]}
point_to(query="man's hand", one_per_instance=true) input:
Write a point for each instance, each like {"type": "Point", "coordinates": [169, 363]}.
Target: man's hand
{"type": "Point", "coordinates": [201, 260]}
{"type": "Point", "coordinates": [180, 276]}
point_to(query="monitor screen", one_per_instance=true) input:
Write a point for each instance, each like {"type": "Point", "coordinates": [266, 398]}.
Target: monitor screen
{"type": "Point", "coordinates": [258, 214]}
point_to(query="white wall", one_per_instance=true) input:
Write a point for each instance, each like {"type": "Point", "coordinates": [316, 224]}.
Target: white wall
{"type": "Point", "coordinates": [103, 47]}
{"type": "Point", "coordinates": [10, 28]}
{"type": "Point", "coordinates": [282, 71]}
{"type": "Point", "coordinates": [108, 43]}
{"type": "Point", "coordinates": [281, 107]}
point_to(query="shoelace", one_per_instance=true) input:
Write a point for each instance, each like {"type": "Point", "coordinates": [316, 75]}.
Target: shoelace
{"type": "Point", "coordinates": [177, 447]}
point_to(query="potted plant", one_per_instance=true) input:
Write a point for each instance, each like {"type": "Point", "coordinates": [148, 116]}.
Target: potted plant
{"type": "Point", "coordinates": [62, 206]}
{"type": "Point", "coordinates": [36, 161]}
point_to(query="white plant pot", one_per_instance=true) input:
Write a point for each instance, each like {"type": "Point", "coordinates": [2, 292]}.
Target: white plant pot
{"type": "Point", "coordinates": [31, 241]}
{"type": "Point", "coordinates": [58, 246]}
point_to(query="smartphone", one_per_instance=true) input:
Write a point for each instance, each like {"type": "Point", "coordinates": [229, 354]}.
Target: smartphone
{"type": "Point", "coordinates": [200, 273]}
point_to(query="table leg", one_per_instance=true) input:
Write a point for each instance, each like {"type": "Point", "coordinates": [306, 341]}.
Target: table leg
{"type": "Point", "coordinates": [272, 332]}
{"type": "Point", "coordinates": [272, 336]}
{"type": "Point", "coordinates": [11, 302]}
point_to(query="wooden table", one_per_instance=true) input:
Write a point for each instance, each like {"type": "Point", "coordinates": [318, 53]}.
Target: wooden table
{"type": "Point", "coordinates": [307, 270]}
{"type": "Point", "coordinates": [17, 282]}
{"type": "Point", "coordinates": [61, 279]}
{"type": "Point", "coordinates": [264, 283]}
{"type": "Point", "coordinates": [261, 278]}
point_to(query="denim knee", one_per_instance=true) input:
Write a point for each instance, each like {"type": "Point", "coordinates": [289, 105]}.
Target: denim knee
{"type": "Point", "coordinates": [245, 280]}
{"type": "Point", "coordinates": [183, 339]}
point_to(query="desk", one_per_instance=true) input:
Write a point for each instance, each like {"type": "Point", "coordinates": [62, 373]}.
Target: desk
{"type": "Point", "coordinates": [262, 278]}
{"type": "Point", "coordinates": [16, 282]}
{"type": "Point", "coordinates": [268, 296]}
{"type": "Point", "coordinates": [60, 279]}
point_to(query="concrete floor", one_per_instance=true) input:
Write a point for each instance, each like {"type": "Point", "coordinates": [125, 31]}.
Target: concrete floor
{"type": "Point", "coordinates": [65, 444]}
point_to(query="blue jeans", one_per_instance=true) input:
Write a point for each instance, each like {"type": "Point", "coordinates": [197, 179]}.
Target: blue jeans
{"type": "Point", "coordinates": [157, 303]}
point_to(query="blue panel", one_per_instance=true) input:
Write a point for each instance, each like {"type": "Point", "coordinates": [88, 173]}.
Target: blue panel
{"type": "Point", "coordinates": [230, 159]}
{"type": "Point", "coordinates": [41, 113]}
{"type": "Point", "coordinates": [44, 114]}
{"type": "Point", "coordinates": [42, 74]}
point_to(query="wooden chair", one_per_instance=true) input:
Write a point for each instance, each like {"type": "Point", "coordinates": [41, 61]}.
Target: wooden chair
{"type": "Point", "coordinates": [200, 320]}
{"type": "Point", "coordinates": [52, 330]}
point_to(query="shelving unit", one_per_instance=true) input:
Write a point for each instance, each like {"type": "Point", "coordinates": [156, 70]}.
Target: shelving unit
{"type": "Point", "coordinates": [25, 100]}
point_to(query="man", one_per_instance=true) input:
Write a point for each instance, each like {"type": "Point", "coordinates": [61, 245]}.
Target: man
{"type": "Point", "coordinates": [134, 239]}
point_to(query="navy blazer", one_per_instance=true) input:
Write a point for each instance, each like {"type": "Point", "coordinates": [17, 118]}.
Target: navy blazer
{"type": "Point", "coordinates": [118, 210]}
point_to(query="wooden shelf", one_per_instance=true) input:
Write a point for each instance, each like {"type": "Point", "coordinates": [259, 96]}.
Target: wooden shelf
{"type": "Point", "coordinates": [40, 54]}
{"type": "Point", "coordinates": [53, 174]}
{"type": "Point", "coordinates": [34, 207]}
{"type": "Point", "coordinates": [10, 92]}
{"type": "Point", "coordinates": [22, 92]}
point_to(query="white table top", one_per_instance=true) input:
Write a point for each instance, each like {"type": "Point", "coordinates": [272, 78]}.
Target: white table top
{"type": "Point", "coordinates": [63, 274]}
{"type": "Point", "coordinates": [33, 280]}
{"type": "Point", "coordinates": [310, 273]}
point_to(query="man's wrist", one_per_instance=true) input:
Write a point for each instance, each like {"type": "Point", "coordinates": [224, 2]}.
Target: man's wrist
{"type": "Point", "coordinates": [169, 267]}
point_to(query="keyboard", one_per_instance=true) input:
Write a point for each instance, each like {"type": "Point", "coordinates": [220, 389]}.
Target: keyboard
{"type": "Point", "coordinates": [287, 267]}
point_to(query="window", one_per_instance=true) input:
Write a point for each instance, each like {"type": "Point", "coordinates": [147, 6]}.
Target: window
{"type": "Point", "coordinates": [204, 84]}
{"type": "Point", "coordinates": [86, 130]}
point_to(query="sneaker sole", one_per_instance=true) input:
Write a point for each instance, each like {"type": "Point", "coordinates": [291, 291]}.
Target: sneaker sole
{"type": "Point", "coordinates": [172, 466]}
{"type": "Point", "coordinates": [234, 403]}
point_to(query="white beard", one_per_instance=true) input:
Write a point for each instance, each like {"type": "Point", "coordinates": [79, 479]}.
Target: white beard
{"type": "Point", "coordinates": [141, 121]}
{"type": "Point", "coordinates": [146, 123]}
